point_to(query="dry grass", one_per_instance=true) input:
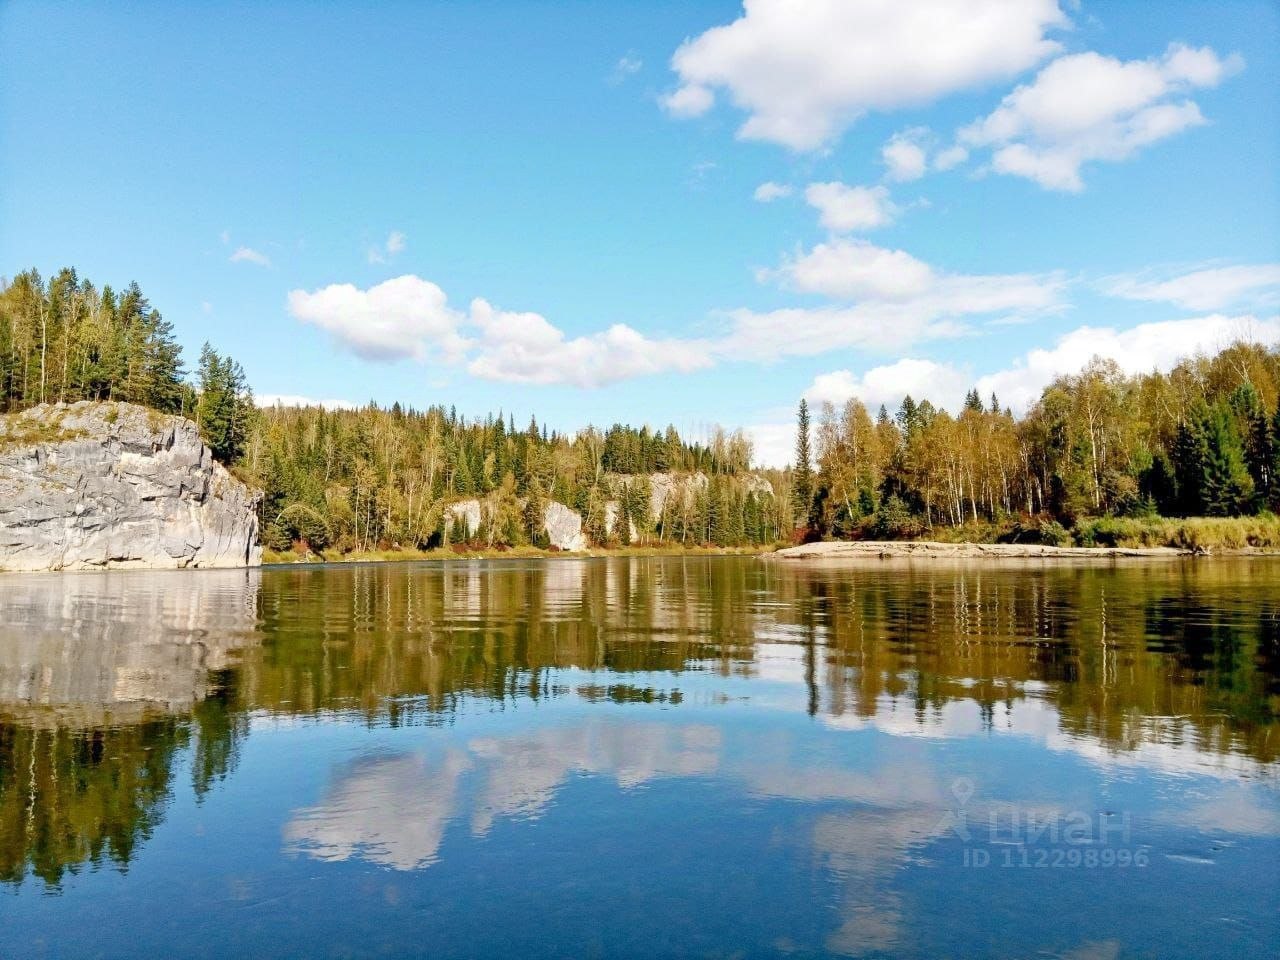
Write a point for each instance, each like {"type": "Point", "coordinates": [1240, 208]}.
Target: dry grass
{"type": "Point", "coordinates": [18, 430]}
{"type": "Point", "coordinates": [1190, 533]}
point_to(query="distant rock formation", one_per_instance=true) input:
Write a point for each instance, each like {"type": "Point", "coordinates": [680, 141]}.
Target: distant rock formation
{"type": "Point", "coordinates": [465, 519]}
{"type": "Point", "coordinates": [94, 485]}
{"type": "Point", "coordinates": [563, 526]}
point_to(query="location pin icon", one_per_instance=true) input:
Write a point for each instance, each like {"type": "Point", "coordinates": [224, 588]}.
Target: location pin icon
{"type": "Point", "coordinates": [962, 789]}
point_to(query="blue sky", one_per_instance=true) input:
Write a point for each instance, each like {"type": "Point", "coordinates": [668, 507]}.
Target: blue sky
{"type": "Point", "coordinates": [325, 192]}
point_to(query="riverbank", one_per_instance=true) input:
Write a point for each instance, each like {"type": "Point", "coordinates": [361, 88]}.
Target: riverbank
{"type": "Point", "coordinates": [938, 550]}
{"type": "Point", "coordinates": [289, 557]}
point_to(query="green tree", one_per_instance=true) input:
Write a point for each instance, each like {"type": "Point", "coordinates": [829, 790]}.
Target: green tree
{"type": "Point", "coordinates": [802, 471]}
{"type": "Point", "coordinates": [1228, 488]}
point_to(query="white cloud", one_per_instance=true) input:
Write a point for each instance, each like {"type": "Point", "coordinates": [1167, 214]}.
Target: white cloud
{"type": "Point", "coordinates": [403, 317]}
{"type": "Point", "coordinates": [265, 400]}
{"type": "Point", "coordinates": [941, 383]}
{"type": "Point", "coordinates": [772, 444]}
{"type": "Point", "coordinates": [688, 101]}
{"type": "Point", "coordinates": [950, 157]}
{"type": "Point", "coordinates": [249, 255]}
{"type": "Point", "coordinates": [805, 71]}
{"type": "Point", "coordinates": [769, 191]}
{"type": "Point", "coordinates": [843, 208]}
{"type": "Point", "coordinates": [1087, 107]}
{"type": "Point", "coordinates": [394, 244]}
{"type": "Point", "coordinates": [904, 155]}
{"type": "Point", "coordinates": [800, 332]}
{"type": "Point", "coordinates": [893, 300]}
{"type": "Point", "coordinates": [410, 318]}
{"type": "Point", "coordinates": [856, 269]}
{"type": "Point", "coordinates": [852, 269]}
{"type": "Point", "coordinates": [627, 66]}
{"type": "Point", "coordinates": [526, 348]}
{"type": "Point", "coordinates": [1140, 349]}
{"type": "Point", "coordinates": [1214, 288]}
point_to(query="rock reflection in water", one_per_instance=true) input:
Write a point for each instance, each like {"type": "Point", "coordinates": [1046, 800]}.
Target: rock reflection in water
{"type": "Point", "coordinates": [104, 679]}
{"type": "Point", "coordinates": [837, 705]}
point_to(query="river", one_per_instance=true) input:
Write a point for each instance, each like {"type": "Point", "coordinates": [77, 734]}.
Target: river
{"type": "Point", "coordinates": [643, 757]}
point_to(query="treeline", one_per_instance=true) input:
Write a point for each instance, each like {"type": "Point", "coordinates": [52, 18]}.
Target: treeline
{"type": "Point", "coordinates": [371, 478]}
{"type": "Point", "coordinates": [65, 340]}
{"type": "Point", "coordinates": [1201, 440]}
{"type": "Point", "coordinates": [379, 478]}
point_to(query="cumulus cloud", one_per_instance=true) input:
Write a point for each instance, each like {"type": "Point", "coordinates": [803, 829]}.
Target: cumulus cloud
{"type": "Point", "coordinates": [843, 209]}
{"type": "Point", "coordinates": [940, 383]}
{"type": "Point", "coordinates": [905, 156]}
{"type": "Point", "coordinates": [406, 317]}
{"type": "Point", "coordinates": [1146, 347]}
{"type": "Point", "coordinates": [769, 191]}
{"type": "Point", "coordinates": [249, 255]}
{"type": "Point", "coordinates": [688, 101]}
{"type": "Point", "coordinates": [1140, 349]}
{"type": "Point", "coordinates": [410, 318]}
{"type": "Point", "coordinates": [526, 348]}
{"type": "Point", "coordinates": [1087, 107]}
{"type": "Point", "coordinates": [1214, 288]}
{"type": "Point", "coordinates": [804, 72]}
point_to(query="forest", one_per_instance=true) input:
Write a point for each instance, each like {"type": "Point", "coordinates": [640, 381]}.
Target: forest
{"type": "Point", "coordinates": [1099, 448]}
{"type": "Point", "coordinates": [377, 478]}
{"type": "Point", "coordinates": [1100, 452]}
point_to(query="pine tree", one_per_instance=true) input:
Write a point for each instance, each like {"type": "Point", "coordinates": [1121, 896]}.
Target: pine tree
{"type": "Point", "coordinates": [1190, 455]}
{"type": "Point", "coordinates": [802, 476]}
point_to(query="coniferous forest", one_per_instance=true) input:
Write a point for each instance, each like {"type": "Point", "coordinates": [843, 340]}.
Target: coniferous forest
{"type": "Point", "coordinates": [1099, 450]}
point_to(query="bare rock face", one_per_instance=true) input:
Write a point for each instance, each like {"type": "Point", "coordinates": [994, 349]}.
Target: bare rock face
{"type": "Point", "coordinates": [464, 517]}
{"type": "Point", "coordinates": [563, 526]}
{"type": "Point", "coordinates": [93, 485]}
{"type": "Point", "coordinates": [673, 488]}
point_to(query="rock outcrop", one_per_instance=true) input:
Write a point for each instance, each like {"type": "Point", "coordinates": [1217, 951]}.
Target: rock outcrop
{"type": "Point", "coordinates": [563, 526]}
{"type": "Point", "coordinates": [469, 518]}
{"type": "Point", "coordinates": [94, 485]}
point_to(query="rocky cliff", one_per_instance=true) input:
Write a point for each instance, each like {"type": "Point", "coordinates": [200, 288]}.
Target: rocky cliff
{"type": "Point", "coordinates": [93, 485]}
{"type": "Point", "coordinates": [564, 526]}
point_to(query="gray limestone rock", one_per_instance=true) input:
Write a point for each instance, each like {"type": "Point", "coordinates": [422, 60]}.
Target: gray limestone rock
{"type": "Point", "coordinates": [93, 485]}
{"type": "Point", "coordinates": [563, 526]}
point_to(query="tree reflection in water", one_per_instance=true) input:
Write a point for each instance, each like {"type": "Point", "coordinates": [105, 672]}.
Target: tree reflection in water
{"type": "Point", "coordinates": [108, 682]}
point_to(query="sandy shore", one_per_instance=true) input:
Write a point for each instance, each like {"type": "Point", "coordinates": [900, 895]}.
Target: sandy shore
{"type": "Point", "coordinates": [927, 549]}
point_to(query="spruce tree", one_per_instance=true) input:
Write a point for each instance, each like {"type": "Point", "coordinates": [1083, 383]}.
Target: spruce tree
{"type": "Point", "coordinates": [1228, 488]}
{"type": "Point", "coordinates": [802, 474]}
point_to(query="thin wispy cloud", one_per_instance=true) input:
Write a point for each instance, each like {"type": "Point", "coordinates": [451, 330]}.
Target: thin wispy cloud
{"type": "Point", "coordinates": [627, 66]}
{"type": "Point", "coordinates": [1210, 288]}
{"type": "Point", "coordinates": [394, 244]}
{"type": "Point", "coordinates": [250, 255]}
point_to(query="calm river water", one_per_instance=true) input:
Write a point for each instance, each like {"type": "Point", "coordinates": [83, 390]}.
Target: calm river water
{"type": "Point", "coordinates": [723, 757]}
